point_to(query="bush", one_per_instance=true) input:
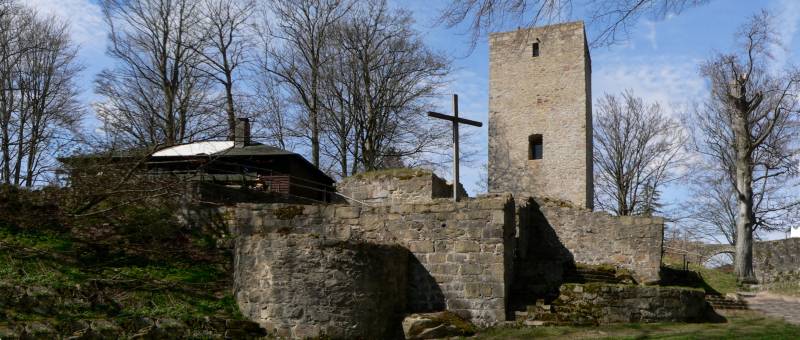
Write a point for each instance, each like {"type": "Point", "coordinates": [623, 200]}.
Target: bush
{"type": "Point", "coordinates": [29, 209]}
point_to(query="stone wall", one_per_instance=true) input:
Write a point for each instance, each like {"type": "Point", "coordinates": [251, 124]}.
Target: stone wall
{"type": "Point", "coordinates": [594, 304]}
{"type": "Point", "coordinates": [300, 286]}
{"type": "Point", "coordinates": [773, 261]}
{"type": "Point", "coordinates": [461, 253]}
{"type": "Point", "coordinates": [555, 238]}
{"type": "Point", "coordinates": [547, 95]}
{"type": "Point", "coordinates": [560, 231]}
{"type": "Point", "coordinates": [395, 186]}
{"type": "Point", "coordinates": [777, 261]}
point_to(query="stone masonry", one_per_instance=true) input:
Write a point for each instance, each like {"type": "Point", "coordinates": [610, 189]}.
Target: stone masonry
{"type": "Point", "coordinates": [300, 287]}
{"type": "Point", "coordinates": [395, 186]}
{"type": "Point", "coordinates": [594, 304]}
{"type": "Point", "coordinates": [463, 257]}
{"type": "Point", "coordinates": [461, 254]}
{"type": "Point", "coordinates": [547, 95]}
{"type": "Point", "coordinates": [578, 235]}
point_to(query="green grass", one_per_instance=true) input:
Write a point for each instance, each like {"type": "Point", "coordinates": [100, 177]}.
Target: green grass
{"type": "Point", "coordinates": [723, 282]}
{"type": "Point", "coordinates": [742, 325]}
{"type": "Point", "coordinates": [711, 280]}
{"type": "Point", "coordinates": [131, 286]}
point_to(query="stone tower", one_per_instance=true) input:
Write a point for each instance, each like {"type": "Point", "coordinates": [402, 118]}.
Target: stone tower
{"type": "Point", "coordinates": [540, 113]}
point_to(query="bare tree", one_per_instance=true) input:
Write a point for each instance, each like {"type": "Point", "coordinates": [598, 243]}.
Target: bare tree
{"type": "Point", "coordinates": [49, 111]}
{"type": "Point", "coordinates": [155, 93]}
{"type": "Point", "coordinates": [302, 36]}
{"type": "Point", "coordinates": [39, 112]}
{"type": "Point", "coordinates": [611, 19]}
{"type": "Point", "coordinates": [637, 149]}
{"type": "Point", "coordinates": [748, 127]}
{"type": "Point", "coordinates": [377, 91]}
{"type": "Point", "coordinates": [228, 40]}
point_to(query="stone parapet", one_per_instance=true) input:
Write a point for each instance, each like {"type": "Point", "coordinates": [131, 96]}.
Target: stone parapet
{"type": "Point", "coordinates": [395, 186]}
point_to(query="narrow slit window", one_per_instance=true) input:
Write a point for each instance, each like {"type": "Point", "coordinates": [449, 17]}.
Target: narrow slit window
{"type": "Point", "coordinates": [535, 147]}
{"type": "Point", "coordinates": [535, 50]}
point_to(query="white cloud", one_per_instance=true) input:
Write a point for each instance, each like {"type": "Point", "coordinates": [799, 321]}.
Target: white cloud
{"type": "Point", "coordinates": [84, 17]}
{"type": "Point", "coordinates": [671, 83]}
{"type": "Point", "coordinates": [786, 16]}
{"type": "Point", "coordinates": [651, 33]}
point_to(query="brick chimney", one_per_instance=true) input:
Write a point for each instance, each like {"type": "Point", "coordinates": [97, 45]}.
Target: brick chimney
{"type": "Point", "coordinates": [241, 135]}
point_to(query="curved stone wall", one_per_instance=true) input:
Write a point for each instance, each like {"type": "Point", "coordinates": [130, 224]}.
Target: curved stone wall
{"type": "Point", "coordinates": [301, 286]}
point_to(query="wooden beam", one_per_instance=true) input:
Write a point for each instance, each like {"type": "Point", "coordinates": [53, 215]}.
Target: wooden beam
{"type": "Point", "coordinates": [454, 119]}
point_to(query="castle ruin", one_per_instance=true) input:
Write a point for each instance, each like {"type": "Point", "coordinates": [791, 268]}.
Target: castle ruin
{"type": "Point", "coordinates": [399, 245]}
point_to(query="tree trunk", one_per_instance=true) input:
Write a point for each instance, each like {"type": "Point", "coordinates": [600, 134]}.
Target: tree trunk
{"type": "Point", "coordinates": [743, 260]}
{"type": "Point", "coordinates": [229, 107]}
{"type": "Point", "coordinates": [314, 116]}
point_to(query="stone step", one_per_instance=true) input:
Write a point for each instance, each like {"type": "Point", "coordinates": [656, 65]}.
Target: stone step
{"type": "Point", "coordinates": [537, 323]}
{"type": "Point", "coordinates": [723, 302]}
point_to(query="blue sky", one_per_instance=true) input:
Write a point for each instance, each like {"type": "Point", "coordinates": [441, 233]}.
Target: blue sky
{"type": "Point", "coordinates": [659, 62]}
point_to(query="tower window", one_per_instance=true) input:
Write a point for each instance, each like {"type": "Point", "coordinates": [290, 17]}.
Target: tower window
{"type": "Point", "coordinates": [535, 147]}
{"type": "Point", "coordinates": [535, 52]}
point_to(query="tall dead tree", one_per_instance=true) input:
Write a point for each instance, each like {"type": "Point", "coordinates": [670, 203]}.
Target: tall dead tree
{"type": "Point", "coordinates": [637, 148]}
{"type": "Point", "coordinates": [155, 93]}
{"type": "Point", "coordinates": [610, 20]}
{"type": "Point", "coordinates": [749, 127]}
{"type": "Point", "coordinates": [302, 35]}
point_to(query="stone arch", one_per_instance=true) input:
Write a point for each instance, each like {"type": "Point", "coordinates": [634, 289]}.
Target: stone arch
{"type": "Point", "coordinates": [708, 251]}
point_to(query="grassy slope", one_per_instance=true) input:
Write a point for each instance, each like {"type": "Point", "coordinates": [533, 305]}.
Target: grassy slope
{"type": "Point", "coordinates": [713, 280]}
{"type": "Point", "coordinates": [743, 325]}
{"type": "Point", "coordinates": [112, 286]}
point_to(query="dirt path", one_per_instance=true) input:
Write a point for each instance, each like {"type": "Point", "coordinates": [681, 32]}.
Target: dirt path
{"type": "Point", "coordinates": [785, 307]}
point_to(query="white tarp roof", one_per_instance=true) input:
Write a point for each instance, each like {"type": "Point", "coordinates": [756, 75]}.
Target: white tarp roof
{"type": "Point", "coordinates": [194, 149]}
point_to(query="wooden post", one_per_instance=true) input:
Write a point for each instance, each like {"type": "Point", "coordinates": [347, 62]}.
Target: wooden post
{"type": "Point", "coordinates": [455, 149]}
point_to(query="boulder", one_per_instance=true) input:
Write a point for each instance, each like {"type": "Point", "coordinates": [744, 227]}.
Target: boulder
{"type": "Point", "coordinates": [436, 325]}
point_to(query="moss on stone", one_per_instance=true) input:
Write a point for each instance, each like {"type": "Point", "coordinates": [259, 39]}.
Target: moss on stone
{"type": "Point", "coordinates": [451, 318]}
{"type": "Point", "coordinates": [399, 173]}
{"type": "Point", "coordinates": [288, 213]}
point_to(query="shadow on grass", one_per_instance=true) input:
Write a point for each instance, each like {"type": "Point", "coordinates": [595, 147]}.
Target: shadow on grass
{"type": "Point", "coordinates": [685, 278]}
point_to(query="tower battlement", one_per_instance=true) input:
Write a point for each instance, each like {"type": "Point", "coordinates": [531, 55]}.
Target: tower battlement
{"type": "Point", "coordinates": [540, 113]}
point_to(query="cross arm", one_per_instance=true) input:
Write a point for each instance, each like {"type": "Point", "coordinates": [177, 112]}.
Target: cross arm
{"type": "Point", "coordinates": [454, 119]}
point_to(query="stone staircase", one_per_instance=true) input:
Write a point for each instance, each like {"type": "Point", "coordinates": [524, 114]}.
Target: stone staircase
{"type": "Point", "coordinates": [590, 275]}
{"type": "Point", "coordinates": [721, 302]}
{"type": "Point", "coordinates": [540, 314]}
{"type": "Point", "coordinates": [531, 307]}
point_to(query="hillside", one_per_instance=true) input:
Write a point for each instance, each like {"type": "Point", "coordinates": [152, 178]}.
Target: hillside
{"type": "Point", "coordinates": [127, 273]}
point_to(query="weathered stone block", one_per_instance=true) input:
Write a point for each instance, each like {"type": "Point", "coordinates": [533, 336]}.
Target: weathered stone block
{"type": "Point", "coordinates": [467, 246]}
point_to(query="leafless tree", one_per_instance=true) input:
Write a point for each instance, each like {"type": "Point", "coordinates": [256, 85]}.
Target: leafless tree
{"type": "Point", "coordinates": [227, 41]}
{"type": "Point", "coordinates": [378, 89]}
{"type": "Point", "coordinates": [302, 36]}
{"type": "Point", "coordinates": [155, 93]}
{"type": "Point", "coordinates": [748, 129]}
{"type": "Point", "coordinates": [611, 20]}
{"type": "Point", "coordinates": [39, 112]}
{"type": "Point", "coordinates": [637, 150]}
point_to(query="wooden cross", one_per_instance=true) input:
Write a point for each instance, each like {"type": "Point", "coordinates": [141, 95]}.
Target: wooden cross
{"type": "Point", "coordinates": [455, 120]}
